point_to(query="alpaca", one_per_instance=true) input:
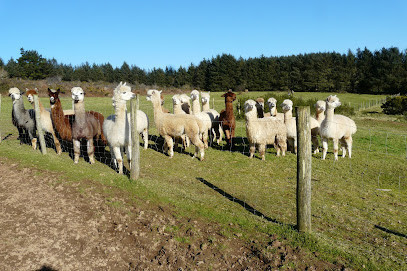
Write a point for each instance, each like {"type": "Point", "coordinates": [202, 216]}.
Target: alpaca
{"type": "Point", "coordinates": [216, 129]}
{"type": "Point", "coordinates": [272, 103]}
{"type": "Point", "coordinates": [170, 125]}
{"type": "Point", "coordinates": [319, 116]}
{"type": "Point", "coordinates": [62, 123]}
{"type": "Point", "coordinates": [227, 118]}
{"type": "Point", "coordinates": [116, 127]}
{"type": "Point", "coordinates": [339, 128]}
{"type": "Point", "coordinates": [85, 126]}
{"type": "Point", "coordinates": [291, 124]}
{"type": "Point", "coordinates": [46, 121]}
{"type": "Point", "coordinates": [177, 109]}
{"type": "Point", "coordinates": [23, 119]}
{"type": "Point", "coordinates": [185, 103]}
{"type": "Point", "coordinates": [205, 117]}
{"type": "Point", "coordinates": [263, 131]}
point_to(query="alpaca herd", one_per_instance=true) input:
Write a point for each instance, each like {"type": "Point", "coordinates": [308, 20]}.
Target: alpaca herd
{"type": "Point", "coordinates": [191, 121]}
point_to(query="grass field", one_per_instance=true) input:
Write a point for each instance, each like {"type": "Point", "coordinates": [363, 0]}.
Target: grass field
{"type": "Point", "coordinates": [359, 205]}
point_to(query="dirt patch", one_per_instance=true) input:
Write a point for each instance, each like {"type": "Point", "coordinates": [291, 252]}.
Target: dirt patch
{"type": "Point", "coordinates": [50, 224]}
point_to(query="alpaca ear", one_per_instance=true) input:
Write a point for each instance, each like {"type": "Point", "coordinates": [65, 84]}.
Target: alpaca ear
{"type": "Point", "coordinates": [159, 91]}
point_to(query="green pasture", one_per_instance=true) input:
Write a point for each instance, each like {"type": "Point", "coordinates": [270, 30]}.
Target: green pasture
{"type": "Point", "coordinates": [359, 205]}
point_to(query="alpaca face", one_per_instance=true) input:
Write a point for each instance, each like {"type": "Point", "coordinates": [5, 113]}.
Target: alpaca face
{"type": "Point", "coordinates": [77, 94]}
{"type": "Point", "coordinates": [184, 98]}
{"type": "Point", "coordinates": [272, 102]}
{"type": "Point", "coordinates": [30, 94]}
{"type": "Point", "coordinates": [287, 105]}
{"type": "Point", "coordinates": [153, 94]}
{"type": "Point", "coordinates": [249, 105]}
{"type": "Point", "coordinates": [332, 102]}
{"type": "Point", "coordinates": [175, 99]}
{"type": "Point", "coordinates": [205, 98]}
{"type": "Point", "coordinates": [53, 95]}
{"type": "Point", "coordinates": [229, 96]}
{"type": "Point", "coordinates": [195, 95]}
{"type": "Point", "coordinates": [320, 106]}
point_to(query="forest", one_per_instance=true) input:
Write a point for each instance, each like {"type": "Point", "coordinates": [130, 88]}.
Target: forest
{"type": "Point", "coordinates": [379, 72]}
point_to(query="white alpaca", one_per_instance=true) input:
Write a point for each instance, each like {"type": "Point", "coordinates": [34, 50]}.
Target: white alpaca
{"type": "Point", "coordinates": [216, 128]}
{"type": "Point", "coordinates": [205, 117]}
{"type": "Point", "coordinates": [319, 116]}
{"type": "Point", "coordinates": [117, 127]}
{"type": "Point", "coordinates": [46, 121]}
{"type": "Point", "coordinates": [170, 125]}
{"type": "Point", "coordinates": [263, 131]}
{"type": "Point", "coordinates": [272, 103]}
{"type": "Point", "coordinates": [339, 128]}
{"type": "Point", "coordinates": [291, 124]}
{"type": "Point", "coordinates": [177, 109]}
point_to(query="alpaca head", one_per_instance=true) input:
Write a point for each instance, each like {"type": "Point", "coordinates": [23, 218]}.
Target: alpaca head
{"type": "Point", "coordinates": [249, 106]}
{"type": "Point", "coordinates": [53, 95]}
{"type": "Point", "coordinates": [272, 102]}
{"type": "Point", "coordinates": [320, 106]}
{"type": "Point", "coordinates": [184, 98]}
{"type": "Point", "coordinates": [153, 95]}
{"type": "Point", "coordinates": [77, 94]}
{"type": "Point", "coordinates": [332, 102]}
{"type": "Point", "coordinates": [229, 96]}
{"type": "Point", "coordinates": [205, 97]}
{"type": "Point", "coordinates": [176, 99]}
{"type": "Point", "coordinates": [195, 95]}
{"type": "Point", "coordinates": [287, 105]}
{"type": "Point", "coordinates": [122, 93]}
{"type": "Point", "coordinates": [15, 94]}
{"type": "Point", "coordinates": [30, 94]}
{"type": "Point", "coordinates": [260, 102]}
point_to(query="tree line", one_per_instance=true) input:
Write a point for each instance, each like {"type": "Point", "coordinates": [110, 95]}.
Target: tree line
{"type": "Point", "coordinates": [380, 72]}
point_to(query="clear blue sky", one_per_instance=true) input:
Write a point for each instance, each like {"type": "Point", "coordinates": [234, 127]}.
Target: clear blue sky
{"type": "Point", "coordinates": [177, 33]}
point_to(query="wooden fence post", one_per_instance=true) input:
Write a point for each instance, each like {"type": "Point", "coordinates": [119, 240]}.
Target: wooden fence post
{"type": "Point", "coordinates": [135, 141]}
{"type": "Point", "coordinates": [39, 125]}
{"type": "Point", "coordinates": [303, 169]}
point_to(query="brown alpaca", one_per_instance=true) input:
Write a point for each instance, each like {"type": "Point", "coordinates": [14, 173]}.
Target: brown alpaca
{"type": "Point", "coordinates": [227, 118]}
{"type": "Point", "coordinates": [62, 123]}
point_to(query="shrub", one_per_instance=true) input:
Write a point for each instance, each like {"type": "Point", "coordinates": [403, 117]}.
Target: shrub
{"type": "Point", "coordinates": [395, 105]}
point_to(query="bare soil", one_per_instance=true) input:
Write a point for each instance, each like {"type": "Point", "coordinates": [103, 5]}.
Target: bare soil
{"type": "Point", "coordinates": [51, 224]}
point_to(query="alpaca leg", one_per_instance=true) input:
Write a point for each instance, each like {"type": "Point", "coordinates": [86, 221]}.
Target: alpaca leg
{"type": "Point", "coordinates": [227, 136]}
{"type": "Point", "coordinates": [324, 147]}
{"type": "Point", "coordinates": [91, 150]}
{"type": "Point", "coordinates": [118, 155]}
{"type": "Point", "coordinates": [170, 145]}
{"type": "Point", "coordinates": [315, 143]}
{"type": "Point", "coordinates": [344, 146]}
{"type": "Point", "coordinates": [113, 157]}
{"type": "Point", "coordinates": [128, 153]}
{"type": "Point", "coordinates": [145, 138]}
{"type": "Point", "coordinates": [349, 142]}
{"type": "Point", "coordinates": [205, 139]}
{"type": "Point", "coordinates": [252, 149]}
{"type": "Point", "coordinates": [336, 149]}
{"type": "Point", "coordinates": [76, 150]}
{"type": "Point", "coordinates": [262, 151]}
{"type": "Point", "coordinates": [278, 149]}
{"type": "Point", "coordinates": [34, 143]}
{"type": "Point", "coordinates": [57, 143]}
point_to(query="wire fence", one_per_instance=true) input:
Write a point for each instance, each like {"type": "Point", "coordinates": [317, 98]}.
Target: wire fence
{"type": "Point", "coordinates": [378, 163]}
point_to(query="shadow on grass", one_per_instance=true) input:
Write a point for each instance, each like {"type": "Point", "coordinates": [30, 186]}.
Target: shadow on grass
{"type": "Point", "coordinates": [242, 203]}
{"type": "Point", "coordinates": [159, 145]}
{"type": "Point", "coordinates": [390, 231]}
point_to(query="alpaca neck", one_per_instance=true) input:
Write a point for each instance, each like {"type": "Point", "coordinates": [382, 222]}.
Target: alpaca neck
{"type": "Point", "coordinates": [178, 109]}
{"type": "Point", "coordinates": [196, 108]}
{"type": "Point", "coordinates": [273, 111]}
{"type": "Point", "coordinates": [251, 115]}
{"type": "Point", "coordinates": [121, 115]}
{"type": "Point", "coordinates": [158, 111]}
{"type": "Point", "coordinates": [329, 114]}
{"type": "Point", "coordinates": [79, 108]}
{"type": "Point", "coordinates": [18, 106]}
{"type": "Point", "coordinates": [320, 116]}
{"type": "Point", "coordinates": [205, 107]}
{"type": "Point", "coordinates": [288, 115]}
{"type": "Point", "coordinates": [229, 109]}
